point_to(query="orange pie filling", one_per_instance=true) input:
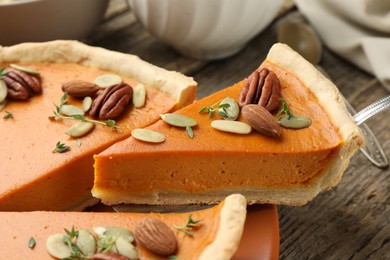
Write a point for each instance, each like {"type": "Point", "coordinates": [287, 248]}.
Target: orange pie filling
{"type": "Point", "coordinates": [35, 178]}
{"type": "Point", "coordinates": [20, 227]}
{"type": "Point", "coordinates": [218, 163]}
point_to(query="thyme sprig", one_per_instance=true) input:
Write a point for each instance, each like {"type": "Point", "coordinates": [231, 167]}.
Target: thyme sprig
{"type": "Point", "coordinates": [70, 239]}
{"type": "Point", "coordinates": [221, 109]}
{"type": "Point", "coordinates": [58, 115]}
{"type": "Point", "coordinates": [8, 115]}
{"type": "Point", "coordinates": [190, 225]}
{"type": "Point", "coordinates": [284, 110]}
{"type": "Point", "coordinates": [105, 243]}
{"type": "Point", "coordinates": [61, 148]}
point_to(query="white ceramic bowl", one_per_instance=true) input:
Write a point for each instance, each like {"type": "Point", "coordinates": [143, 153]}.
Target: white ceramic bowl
{"type": "Point", "coordinates": [207, 29]}
{"type": "Point", "coordinates": [44, 20]}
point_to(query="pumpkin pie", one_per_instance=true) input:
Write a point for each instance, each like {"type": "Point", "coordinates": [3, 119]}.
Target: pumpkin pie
{"type": "Point", "coordinates": [35, 178]}
{"type": "Point", "coordinates": [215, 236]}
{"type": "Point", "coordinates": [290, 169]}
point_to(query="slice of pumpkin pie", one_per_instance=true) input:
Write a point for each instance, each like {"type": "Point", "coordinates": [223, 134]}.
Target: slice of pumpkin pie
{"type": "Point", "coordinates": [212, 233]}
{"type": "Point", "coordinates": [63, 102]}
{"type": "Point", "coordinates": [292, 139]}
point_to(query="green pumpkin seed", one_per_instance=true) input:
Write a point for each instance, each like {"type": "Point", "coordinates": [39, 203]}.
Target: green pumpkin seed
{"type": "Point", "coordinates": [87, 103]}
{"type": "Point", "coordinates": [147, 135]}
{"type": "Point", "coordinates": [56, 246]}
{"type": "Point", "coordinates": [107, 80]}
{"type": "Point", "coordinates": [126, 248]}
{"type": "Point", "coordinates": [229, 112]}
{"type": "Point", "coordinates": [295, 122]}
{"type": "Point", "coordinates": [179, 120]}
{"type": "Point", "coordinates": [3, 90]}
{"type": "Point", "coordinates": [114, 232]}
{"type": "Point", "coordinates": [235, 127]}
{"type": "Point", "coordinates": [80, 128]}
{"type": "Point", "coordinates": [86, 243]}
{"type": "Point", "coordinates": [71, 110]}
{"type": "Point", "coordinates": [139, 95]}
{"type": "Point", "coordinates": [25, 69]}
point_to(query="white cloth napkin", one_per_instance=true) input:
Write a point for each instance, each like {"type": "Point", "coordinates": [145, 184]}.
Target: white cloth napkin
{"type": "Point", "coordinates": [358, 30]}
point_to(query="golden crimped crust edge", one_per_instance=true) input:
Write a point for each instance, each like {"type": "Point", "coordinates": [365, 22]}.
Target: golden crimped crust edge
{"type": "Point", "coordinates": [332, 101]}
{"type": "Point", "coordinates": [230, 229]}
{"type": "Point", "coordinates": [180, 87]}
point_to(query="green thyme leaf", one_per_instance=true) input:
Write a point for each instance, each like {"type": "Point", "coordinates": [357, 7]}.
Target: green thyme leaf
{"type": "Point", "coordinates": [203, 110]}
{"type": "Point", "coordinates": [284, 109]}
{"type": "Point", "coordinates": [110, 123]}
{"type": "Point", "coordinates": [61, 148]}
{"type": "Point", "coordinates": [106, 243]}
{"type": "Point", "coordinates": [223, 113]}
{"type": "Point", "coordinates": [225, 105]}
{"type": "Point", "coordinates": [219, 107]}
{"type": "Point", "coordinates": [70, 239]}
{"type": "Point", "coordinates": [8, 115]}
{"type": "Point", "coordinates": [58, 115]}
{"type": "Point", "coordinates": [189, 226]}
{"type": "Point", "coordinates": [31, 242]}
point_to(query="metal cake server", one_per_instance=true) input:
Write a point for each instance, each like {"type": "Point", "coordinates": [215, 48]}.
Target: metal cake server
{"type": "Point", "coordinates": [372, 149]}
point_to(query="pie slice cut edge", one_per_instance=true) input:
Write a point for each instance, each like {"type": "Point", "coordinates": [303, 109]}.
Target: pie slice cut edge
{"type": "Point", "coordinates": [289, 170]}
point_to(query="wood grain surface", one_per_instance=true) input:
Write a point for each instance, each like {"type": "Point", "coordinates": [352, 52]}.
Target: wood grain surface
{"type": "Point", "coordinates": [351, 221]}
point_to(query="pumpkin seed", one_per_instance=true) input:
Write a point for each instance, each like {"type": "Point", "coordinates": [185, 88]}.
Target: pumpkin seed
{"type": "Point", "coordinates": [178, 120]}
{"type": "Point", "coordinates": [114, 232]}
{"type": "Point", "coordinates": [148, 135]}
{"type": "Point", "coordinates": [25, 69]}
{"type": "Point", "coordinates": [71, 110]}
{"type": "Point", "coordinates": [107, 80]}
{"type": "Point", "coordinates": [295, 122]}
{"type": "Point", "coordinates": [80, 128]}
{"type": "Point", "coordinates": [87, 103]}
{"type": "Point", "coordinates": [139, 95]}
{"type": "Point", "coordinates": [126, 248]}
{"type": "Point", "coordinates": [56, 246]}
{"type": "Point", "coordinates": [235, 127]}
{"type": "Point", "coordinates": [3, 90]}
{"type": "Point", "coordinates": [86, 243]}
{"type": "Point", "coordinates": [229, 112]}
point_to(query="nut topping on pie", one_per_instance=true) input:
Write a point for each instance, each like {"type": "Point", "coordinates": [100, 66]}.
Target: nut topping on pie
{"type": "Point", "coordinates": [156, 236]}
{"type": "Point", "coordinates": [21, 85]}
{"type": "Point", "coordinates": [111, 103]}
{"type": "Point", "coordinates": [261, 120]}
{"type": "Point", "coordinates": [80, 88]}
{"type": "Point", "coordinates": [263, 88]}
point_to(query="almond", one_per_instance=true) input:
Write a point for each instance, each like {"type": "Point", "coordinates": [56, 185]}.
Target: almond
{"type": "Point", "coordinates": [261, 120]}
{"type": "Point", "coordinates": [156, 236]}
{"type": "Point", "coordinates": [80, 88]}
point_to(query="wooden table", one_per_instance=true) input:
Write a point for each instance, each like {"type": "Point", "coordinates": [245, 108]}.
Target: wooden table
{"type": "Point", "coordinates": [351, 221]}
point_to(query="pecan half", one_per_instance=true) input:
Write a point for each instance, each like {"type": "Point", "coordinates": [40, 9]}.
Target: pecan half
{"type": "Point", "coordinates": [262, 88]}
{"type": "Point", "coordinates": [21, 85]}
{"type": "Point", "coordinates": [111, 103]}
